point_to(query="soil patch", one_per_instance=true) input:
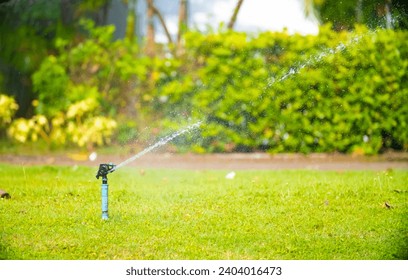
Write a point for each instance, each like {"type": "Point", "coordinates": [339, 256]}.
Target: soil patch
{"type": "Point", "coordinates": [256, 161]}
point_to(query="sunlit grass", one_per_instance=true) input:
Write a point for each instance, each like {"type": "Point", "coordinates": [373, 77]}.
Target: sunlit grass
{"type": "Point", "coordinates": [54, 213]}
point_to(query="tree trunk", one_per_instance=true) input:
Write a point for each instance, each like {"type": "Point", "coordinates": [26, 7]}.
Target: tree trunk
{"type": "Point", "coordinates": [388, 16]}
{"type": "Point", "coordinates": [182, 24]}
{"type": "Point", "coordinates": [150, 44]}
{"type": "Point", "coordinates": [163, 23]}
{"type": "Point", "coordinates": [105, 10]}
{"type": "Point", "coordinates": [66, 9]}
{"type": "Point", "coordinates": [131, 20]}
{"type": "Point", "coordinates": [308, 7]}
{"type": "Point", "coordinates": [234, 15]}
{"type": "Point", "coordinates": [359, 11]}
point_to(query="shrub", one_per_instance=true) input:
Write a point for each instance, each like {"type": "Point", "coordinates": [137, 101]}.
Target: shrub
{"type": "Point", "coordinates": [51, 82]}
{"type": "Point", "coordinates": [344, 92]}
{"type": "Point", "coordinates": [334, 92]}
{"type": "Point", "coordinates": [8, 108]}
{"type": "Point", "coordinates": [80, 125]}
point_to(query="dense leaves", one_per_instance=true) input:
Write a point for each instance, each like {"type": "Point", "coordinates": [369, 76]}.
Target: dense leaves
{"type": "Point", "coordinates": [333, 92]}
{"type": "Point", "coordinates": [343, 92]}
{"type": "Point", "coordinates": [346, 13]}
{"type": "Point", "coordinates": [8, 108]}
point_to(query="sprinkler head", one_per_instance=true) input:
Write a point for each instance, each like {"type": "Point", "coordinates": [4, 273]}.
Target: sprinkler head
{"type": "Point", "coordinates": [105, 169]}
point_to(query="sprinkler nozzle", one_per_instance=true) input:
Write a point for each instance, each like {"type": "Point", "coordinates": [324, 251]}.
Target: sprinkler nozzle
{"type": "Point", "coordinates": [105, 169]}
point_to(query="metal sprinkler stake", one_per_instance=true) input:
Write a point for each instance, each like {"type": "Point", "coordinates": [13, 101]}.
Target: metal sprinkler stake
{"type": "Point", "coordinates": [104, 170]}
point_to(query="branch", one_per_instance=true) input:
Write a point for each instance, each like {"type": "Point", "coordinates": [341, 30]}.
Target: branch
{"type": "Point", "coordinates": [235, 14]}
{"type": "Point", "coordinates": [163, 23]}
{"type": "Point", "coordinates": [182, 22]}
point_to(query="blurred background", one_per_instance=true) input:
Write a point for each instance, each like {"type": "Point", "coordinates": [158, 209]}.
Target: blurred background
{"type": "Point", "coordinates": [300, 76]}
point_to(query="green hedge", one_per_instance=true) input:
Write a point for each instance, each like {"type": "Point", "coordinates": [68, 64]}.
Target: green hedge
{"type": "Point", "coordinates": [334, 92]}
{"type": "Point", "coordinates": [344, 92]}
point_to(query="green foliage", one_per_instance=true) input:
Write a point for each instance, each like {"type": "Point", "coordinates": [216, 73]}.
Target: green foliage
{"type": "Point", "coordinates": [8, 107]}
{"type": "Point", "coordinates": [126, 132]}
{"type": "Point", "coordinates": [54, 213]}
{"type": "Point", "coordinates": [346, 13]}
{"type": "Point", "coordinates": [334, 92]}
{"type": "Point", "coordinates": [80, 125]}
{"type": "Point", "coordinates": [344, 92]}
{"type": "Point", "coordinates": [51, 82]}
{"type": "Point", "coordinates": [82, 84]}
{"type": "Point", "coordinates": [27, 29]}
{"type": "Point", "coordinates": [86, 128]}
{"type": "Point", "coordinates": [23, 130]}
{"type": "Point", "coordinates": [23, 49]}
{"type": "Point", "coordinates": [97, 66]}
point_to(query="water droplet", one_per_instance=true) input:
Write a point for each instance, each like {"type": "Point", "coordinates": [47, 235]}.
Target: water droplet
{"type": "Point", "coordinates": [93, 156]}
{"type": "Point", "coordinates": [230, 175]}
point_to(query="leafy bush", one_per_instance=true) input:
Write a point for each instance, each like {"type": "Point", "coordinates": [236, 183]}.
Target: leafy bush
{"type": "Point", "coordinates": [344, 92]}
{"type": "Point", "coordinates": [8, 108]}
{"type": "Point", "coordinates": [88, 130]}
{"type": "Point", "coordinates": [80, 125]}
{"type": "Point", "coordinates": [23, 130]}
{"type": "Point", "coordinates": [82, 87]}
{"type": "Point", "coordinates": [51, 82]}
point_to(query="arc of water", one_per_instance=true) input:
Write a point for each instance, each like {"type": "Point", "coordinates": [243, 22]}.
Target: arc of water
{"type": "Point", "coordinates": [292, 71]}
{"type": "Point", "coordinates": [161, 142]}
{"type": "Point", "coordinates": [312, 60]}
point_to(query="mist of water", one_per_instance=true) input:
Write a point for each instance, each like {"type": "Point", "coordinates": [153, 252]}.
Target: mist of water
{"type": "Point", "coordinates": [160, 143]}
{"type": "Point", "coordinates": [292, 71]}
{"type": "Point", "coordinates": [312, 60]}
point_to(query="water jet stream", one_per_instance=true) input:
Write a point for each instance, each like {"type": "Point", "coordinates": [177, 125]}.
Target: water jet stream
{"type": "Point", "coordinates": [313, 60]}
{"type": "Point", "coordinates": [292, 71]}
{"type": "Point", "coordinates": [161, 142]}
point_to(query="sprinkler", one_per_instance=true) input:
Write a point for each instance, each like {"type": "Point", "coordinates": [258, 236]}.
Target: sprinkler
{"type": "Point", "coordinates": [104, 170]}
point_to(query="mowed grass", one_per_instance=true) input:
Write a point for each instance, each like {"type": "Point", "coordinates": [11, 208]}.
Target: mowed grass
{"type": "Point", "coordinates": [55, 213]}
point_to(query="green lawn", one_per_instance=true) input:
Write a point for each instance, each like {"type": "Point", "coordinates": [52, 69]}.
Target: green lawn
{"type": "Point", "coordinates": [54, 213]}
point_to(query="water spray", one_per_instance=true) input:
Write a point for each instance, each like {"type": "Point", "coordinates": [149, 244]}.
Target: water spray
{"type": "Point", "coordinates": [103, 171]}
{"type": "Point", "coordinates": [106, 168]}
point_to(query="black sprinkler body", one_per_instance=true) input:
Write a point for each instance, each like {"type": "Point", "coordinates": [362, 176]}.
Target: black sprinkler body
{"type": "Point", "coordinates": [104, 170]}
